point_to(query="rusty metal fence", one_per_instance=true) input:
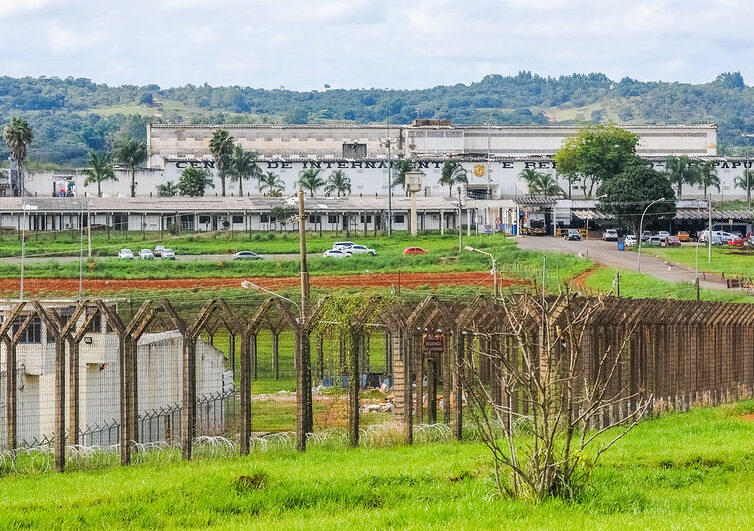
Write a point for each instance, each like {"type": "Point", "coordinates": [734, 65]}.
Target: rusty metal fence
{"type": "Point", "coordinates": [82, 373]}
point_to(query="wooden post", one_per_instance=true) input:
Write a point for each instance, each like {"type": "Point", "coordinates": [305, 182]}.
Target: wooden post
{"type": "Point", "coordinates": [276, 354]}
{"type": "Point", "coordinates": [188, 409]}
{"type": "Point", "coordinates": [11, 392]}
{"type": "Point", "coordinates": [431, 390]}
{"type": "Point", "coordinates": [353, 389]}
{"type": "Point", "coordinates": [457, 385]}
{"type": "Point", "coordinates": [59, 403]}
{"type": "Point", "coordinates": [73, 396]}
{"type": "Point", "coordinates": [246, 342]}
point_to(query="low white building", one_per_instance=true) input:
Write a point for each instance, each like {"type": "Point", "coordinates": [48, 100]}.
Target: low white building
{"type": "Point", "coordinates": [159, 388]}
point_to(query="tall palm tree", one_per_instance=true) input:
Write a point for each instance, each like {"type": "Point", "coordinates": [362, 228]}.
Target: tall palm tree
{"type": "Point", "coordinates": [310, 180]}
{"type": "Point", "coordinates": [681, 170]}
{"type": "Point", "coordinates": [243, 165]}
{"type": "Point", "coordinates": [168, 189]}
{"type": "Point", "coordinates": [532, 178]}
{"type": "Point", "coordinates": [453, 172]}
{"type": "Point", "coordinates": [338, 182]}
{"type": "Point", "coordinates": [271, 185]}
{"type": "Point", "coordinates": [131, 153]}
{"type": "Point", "coordinates": [708, 176]}
{"type": "Point", "coordinates": [745, 182]}
{"type": "Point", "coordinates": [400, 168]}
{"type": "Point", "coordinates": [101, 170]}
{"type": "Point", "coordinates": [17, 136]}
{"type": "Point", "coordinates": [221, 146]}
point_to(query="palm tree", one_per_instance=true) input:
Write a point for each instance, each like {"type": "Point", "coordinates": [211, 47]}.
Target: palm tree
{"type": "Point", "coordinates": [338, 182]}
{"type": "Point", "coordinates": [681, 170]}
{"type": "Point", "coordinates": [708, 176]}
{"type": "Point", "coordinates": [101, 170]}
{"type": "Point", "coordinates": [131, 153]}
{"type": "Point", "coordinates": [453, 172]}
{"type": "Point", "coordinates": [310, 180]}
{"type": "Point", "coordinates": [169, 189]}
{"type": "Point", "coordinates": [17, 136]}
{"type": "Point", "coordinates": [193, 182]}
{"type": "Point", "coordinates": [532, 178]}
{"type": "Point", "coordinates": [221, 146]}
{"type": "Point", "coordinates": [402, 167]}
{"type": "Point", "coordinates": [271, 185]}
{"type": "Point", "coordinates": [243, 165]}
{"type": "Point", "coordinates": [540, 183]}
{"type": "Point", "coordinates": [746, 182]}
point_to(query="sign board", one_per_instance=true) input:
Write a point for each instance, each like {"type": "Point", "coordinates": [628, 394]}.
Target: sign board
{"type": "Point", "coordinates": [434, 343]}
{"type": "Point", "coordinates": [414, 181]}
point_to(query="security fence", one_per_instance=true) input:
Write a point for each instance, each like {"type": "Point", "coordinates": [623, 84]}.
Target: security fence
{"type": "Point", "coordinates": [87, 373]}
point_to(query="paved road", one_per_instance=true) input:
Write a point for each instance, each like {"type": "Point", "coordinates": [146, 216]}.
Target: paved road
{"type": "Point", "coordinates": [607, 253]}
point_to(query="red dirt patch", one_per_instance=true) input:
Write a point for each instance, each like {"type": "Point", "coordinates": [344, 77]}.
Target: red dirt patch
{"type": "Point", "coordinates": [405, 280]}
{"type": "Point", "coordinates": [749, 417]}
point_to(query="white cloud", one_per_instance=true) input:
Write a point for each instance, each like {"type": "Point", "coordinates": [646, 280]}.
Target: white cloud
{"type": "Point", "coordinates": [362, 43]}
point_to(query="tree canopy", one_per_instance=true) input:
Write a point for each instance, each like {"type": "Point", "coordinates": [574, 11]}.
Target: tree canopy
{"type": "Point", "coordinates": [595, 154]}
{"type": "Point", "coordinates": [193, 182]}
{"type": "Point", "coordinates": [627, 194]}
{"type": "Point", "coordinates": [100, 170]}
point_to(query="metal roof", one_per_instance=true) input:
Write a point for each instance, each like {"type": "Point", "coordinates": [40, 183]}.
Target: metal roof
{"type": "Point", "coordinates": [215, 204]}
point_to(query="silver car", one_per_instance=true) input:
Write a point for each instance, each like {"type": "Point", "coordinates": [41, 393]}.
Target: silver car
{"type": "Point", "coordinates": [361, 249]}
{"type": "Point", "coordinates": [146, 254]}
{"type": "Point", "coordinates": [126, 253]}
{"type": "Point", "coordinates": [246, 255]}
{"type": "Point", "coordinates": [167, 254]}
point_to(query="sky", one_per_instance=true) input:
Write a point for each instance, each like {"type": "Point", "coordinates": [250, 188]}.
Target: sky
{"type": "Point", "coordinates": [307, 44]}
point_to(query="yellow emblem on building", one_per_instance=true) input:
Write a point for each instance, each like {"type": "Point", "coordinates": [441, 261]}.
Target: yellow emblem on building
{"type": "Point", "coordinates": [479, 170]}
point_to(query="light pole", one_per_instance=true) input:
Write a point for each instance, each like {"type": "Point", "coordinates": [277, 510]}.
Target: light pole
{"type": "Point", "coordinates": [641, 225]}
{"type": "Point", "coordinates": [246, 284]}
{"type": "Point", "coordinates": [494, 266]}
{"type": "Point", "coordinates": [747, 167]}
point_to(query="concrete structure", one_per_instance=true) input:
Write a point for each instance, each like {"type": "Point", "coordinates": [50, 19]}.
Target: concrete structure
{"type": "Point", "coordinates": [160, 381]}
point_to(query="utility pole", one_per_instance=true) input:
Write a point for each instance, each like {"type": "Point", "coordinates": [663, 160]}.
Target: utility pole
{"type": "Point", "coordinates": [389, 181]}
{"type": "Point", "coordinates": [89, 229]}
{"type": "Point", "coordinates": [303, 372]}
{"type": "Point", "coordinates": [709, 231]}
{"type": "Point", "coordinates": [460, 212]}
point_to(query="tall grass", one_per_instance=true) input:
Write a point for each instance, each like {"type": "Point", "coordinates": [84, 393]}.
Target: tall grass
{"type": "Point", "coordinates": [691, 470]}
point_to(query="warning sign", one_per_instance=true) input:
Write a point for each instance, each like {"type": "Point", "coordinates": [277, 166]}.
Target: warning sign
{"type": "Point", "coordinates": [434, 342]}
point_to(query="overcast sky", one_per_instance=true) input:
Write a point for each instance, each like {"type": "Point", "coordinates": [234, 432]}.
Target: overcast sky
{"type": "Point", "coordinates": [304, 44]}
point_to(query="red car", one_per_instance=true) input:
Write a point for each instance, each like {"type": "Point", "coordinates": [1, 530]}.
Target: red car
{"type": "Point", "coordinates": [414, 250]}
{"type": "Point", "coordinates": [672, 241]}
{"type": "Point", "coordinates": [736, 241]}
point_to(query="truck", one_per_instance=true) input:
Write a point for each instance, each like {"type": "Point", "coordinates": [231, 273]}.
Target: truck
{"type": "Point", "coordinates": [535, 224]}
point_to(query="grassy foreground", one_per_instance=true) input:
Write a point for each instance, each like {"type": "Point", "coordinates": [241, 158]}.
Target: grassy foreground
{"type": "Point", "coordinates": [731, 262]}
{"type": "Point", "coordinates": [685, 471]}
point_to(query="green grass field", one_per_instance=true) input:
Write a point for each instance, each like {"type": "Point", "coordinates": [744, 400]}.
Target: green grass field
{"type": "Point", "coordinates": [681, 471]}
{"type": "Point", "coordinates": [443, 255]}
{"type": "Point", "coordinates": [731, 262]}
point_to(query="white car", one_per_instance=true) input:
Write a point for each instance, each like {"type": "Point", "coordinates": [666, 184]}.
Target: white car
{"type": "Point", "coordinates": [158, 250]}
{"type": "Point", "coordinates": [146, 254]}
{"type": "Point", "coordinates": [610, 235]}
{"type": "Point", "coordinates": [663, 234]}
{"type": "Point", "coordinates": [167, 254]}
{"type": "Point", "coordinates": [361, 249]}
{"type": "Point", "coordinates": [342, 246]}
{"type": "Point", "coordinates": [336, 253]}
{"type": "Point", "coordinates": [630, 240]}
{"type": "Point", "coordinates": [126, 253]}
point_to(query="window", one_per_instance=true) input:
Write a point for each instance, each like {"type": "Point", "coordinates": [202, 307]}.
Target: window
{"type": "Point", "coordinates": [265, 218]}
{"type": "Point", "coordinates": [398, 218]}
{"type": "Point", "coordinates": [354, 151]}
{"type": "Point", "coordinates": [369, 219]}
{"type": "Point", "coordinates": [96, 326]}
{"type": "Point", "coordinates": [65, 316]}
{"type": "Point", "coordinates": [203, 219]}
{"type": "Point", "coordinates": [237, 219]}
{"type": "Point", "coordinates": [315, 219]}
{"type": "Point", "coordinates": [33, 333]}
{"type": "Point", "coordinates": [332, 220]}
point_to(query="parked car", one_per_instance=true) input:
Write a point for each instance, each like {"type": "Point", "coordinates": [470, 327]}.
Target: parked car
{"type": "Point", "coordinates": [146, 254]}
{"type": "Point", "coordinates": [573, 234]}
{"type": "Point", "coordinates": [158, 250]}
{"type": "Point", "coordinates": [630, 240]}
{"type": "Point", "coordinates": [168, 254]}
{"type": "Point", "coordinates": [246, 255]}
{"type": "Point", "coordinates": [336, 253]}
{"type": "Point", "coordinates": [126, 253]}
{"type": "Point", "coordinates": [736, 241]}
{"type": "Point", "coordinates": [361, 249]}
{"type": "Point", "coordinates": [683, 236]}
{"type": "Point", "coordinates": [610, 235]}
{"type": "Point", "coordinates": [414, 250]}
{"type": "Point", "coordinates": [646, 235]}
{"type": "Point", "coordinates": [656, 241]}
{"type": "Point", "coordinates": [672, 241]}
{"type": "Point", "coordinates": [342, 246]}
{"type": "Point", "coordinates": [663, 234]}
{"type": "Point", "coordinates": [725, 236]}
{"type": "Point", "coordinates": [703, 236]}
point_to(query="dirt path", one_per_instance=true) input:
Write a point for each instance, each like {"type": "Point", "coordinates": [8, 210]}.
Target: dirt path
{"type": "Point", "coordinates": [404, 280]}
{"type": "Point", "coordinates": [579, 281]}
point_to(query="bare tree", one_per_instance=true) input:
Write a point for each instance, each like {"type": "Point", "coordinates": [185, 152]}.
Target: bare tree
{"type": "Point", "coordinates": [552, 402]}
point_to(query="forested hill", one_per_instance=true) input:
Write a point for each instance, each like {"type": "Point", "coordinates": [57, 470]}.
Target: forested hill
{"type": "Point", "coordinates": [73, 115]}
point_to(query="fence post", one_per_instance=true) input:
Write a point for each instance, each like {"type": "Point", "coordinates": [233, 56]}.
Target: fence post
{"type": "Point", "coordinates": [353, 388]}
{"type": "Point", "coordinates": [457, 384]}
{"type": "Point", "coordinates": [11, 391]}
{"type": "Point", "coordinates": [188, 409]}
{"type": "Point", "coordinates": [401, 362]}
{"type": "Point", "coordinates": [247, 339]}
{"type": "Point", "coordinates": [59, 403]}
